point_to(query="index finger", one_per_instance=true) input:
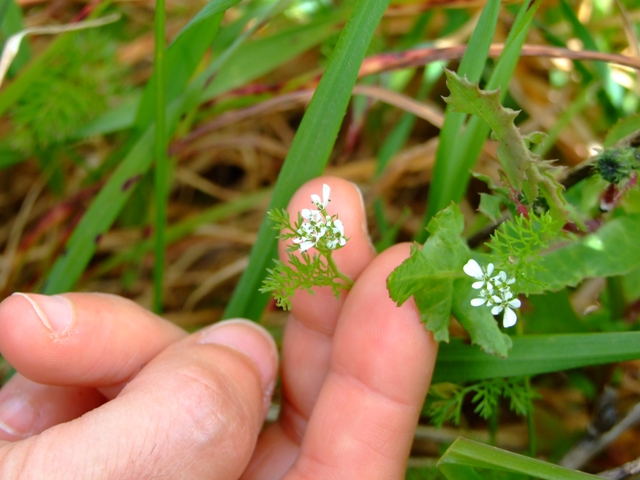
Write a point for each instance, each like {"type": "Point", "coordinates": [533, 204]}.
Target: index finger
{"type": "Point", "coordinates": [308, 338]}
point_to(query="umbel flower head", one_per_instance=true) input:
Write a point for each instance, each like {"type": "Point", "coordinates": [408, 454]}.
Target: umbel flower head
{"type": "Point", "coordinates": [319, 229]}
{"type": "Point", "coordinates": [494, 292]}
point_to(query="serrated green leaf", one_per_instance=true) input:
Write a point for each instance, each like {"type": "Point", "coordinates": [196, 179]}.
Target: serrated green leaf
{"type": "Point", "coordinates": [490, 206]}
{"type": "Point", "coordinates": [405, 280]}
{"type": "Point", "coordinates": [445, 249]}
{"type": "Point", "coordinates": [478, 321]}
{"type": "Point", "coordinates": [429, 272]}
{"type": "Point", "coordinates": [434, 303]}
{"type": "Point", "coordinates": [524, 170]}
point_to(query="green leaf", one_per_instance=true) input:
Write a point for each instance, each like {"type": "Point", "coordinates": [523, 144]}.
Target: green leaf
{"type": "Point", "coordinates": [524, 170]}
{"type": "Point", "coordinates": [99, 217]}
{"type": "Point", "coordinates": [183, 56]}
{"type": "Point", "coordinates": [612, 250]}
{"type": "Point", "coordinates": [11, 22]}
{"type": "Point", "coordinates": [625, 127]}
{"type": "Point", "coordinates": [490, 205]}
{"type": "Point", "coordinates": [311, 146]}
{"type": "Point", "coordinates": [478, 321]}
{"type": "Point", "coordinates": [428, 274]}
{"type": "Point", "coordinates": [10, 94]}
{"type": "Point", "coordinates": [405, 280]}
{"type": "Point", "coordinates": [535, 354]}
{"type": "Point", "coordinates": [468, 454]}
{"type": "Point", "coordinates": [258, 57]}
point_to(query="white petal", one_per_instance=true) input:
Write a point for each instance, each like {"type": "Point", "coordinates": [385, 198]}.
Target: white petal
{"type": "Point", "coordinates": [342, 241]}
{"type": "Point", "coordinates": [306, 246]}
{"type": "Point", "coordinates": [338, 224]}
{"type": "Point", "coordinates": [496, 310]}
{"type": "Point", "coordinates": [510, 318]}
{"type": "Point", "coordinates": [476, 302]}
{"type": "Point", "coordinates": [316, 199]}
{"type": "Point", "coordinates": [489, 268]}
{"type": "Point", "coordinates": [472, 269]}
{"type": "Point", "coordinates": [511, 281]}
{"type": "Point", "coordinates": [515, 303]}
{"type": "Point", "coordinates": [326, 191]}
{"type": "Point", "coordinates": [478, 285]}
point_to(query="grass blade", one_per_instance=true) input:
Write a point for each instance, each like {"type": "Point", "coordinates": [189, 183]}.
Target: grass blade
{"type": "Point", "coordinates": [471, 65]}
{"type": "Point", "coordinates": [183, 56]}
{"type": "Point", "coordinates": [458, 152]}
{"type": "Point", "coordinates": [311, 146]}
{"type": "Point", "coordinates": [467, 453]}
{"type": "Point", "coordinates": [160, 180]}
{"type": "Point", "coordinates": [535, 354]}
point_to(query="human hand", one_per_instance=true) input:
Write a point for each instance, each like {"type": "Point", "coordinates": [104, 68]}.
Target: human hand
{"type": "Point", "coordinates": [119, 393]}
{"type": "Point", "coordinates": [355, 372]}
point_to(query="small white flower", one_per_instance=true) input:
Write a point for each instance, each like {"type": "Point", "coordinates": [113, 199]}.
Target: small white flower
{"type": "Point", "coordinates": [507, 303]}
{"type": "Point", "coordinates": [473, 269]}
{"type": "Point", "coordinates": [482, 299]}
{"type": "Point", "coordinates": [318, 229]}
{"type": "Point", "coordinates": [336, 237]}
{"type": "Point", "coordinates": [326, 190]}
{"type": "Point", "coordinates": [494, 292]}
{"type": "Point", "coordinates": [311, 215]}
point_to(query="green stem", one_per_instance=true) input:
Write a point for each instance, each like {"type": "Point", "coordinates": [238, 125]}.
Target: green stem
{"type": "Point", "coordinates": [530, 424]}
{"type": "Point", "coordinates": [160, 178]}
{"type": "Point", "coordinates": [334, 268]}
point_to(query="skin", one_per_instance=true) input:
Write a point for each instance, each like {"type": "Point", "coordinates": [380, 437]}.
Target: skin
{"type": "Point", "coordinates": [121, 393]}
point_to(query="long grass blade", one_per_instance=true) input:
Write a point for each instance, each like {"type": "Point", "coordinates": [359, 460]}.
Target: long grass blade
{"type": "Point", "coordinates": [458, 152]}
{"type": "Point", "coordinates": [160, 143]}
{"type": "Point", "coordinates": [471, 65]}
{"type": "Point", "coordinates": [311, 146]}
{"type": "Point", "coordinates": [535, 354]}
{"type": "Point", "coordinates": [467, 453]}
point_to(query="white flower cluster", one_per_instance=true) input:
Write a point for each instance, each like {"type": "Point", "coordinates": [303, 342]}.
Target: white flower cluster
{"type": "Point", "coordinates": [318, 227]}
{"type": "Point", "coordinates": [494, 291]}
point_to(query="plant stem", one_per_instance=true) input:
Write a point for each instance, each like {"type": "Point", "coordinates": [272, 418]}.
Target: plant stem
{"type": "Point", "coordinates": [334, 268]}
{"type": "Point", "coordinates": [160, 178]}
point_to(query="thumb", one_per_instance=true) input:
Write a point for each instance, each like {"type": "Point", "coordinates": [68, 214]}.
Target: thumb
{"type": "Point", "coordinates": [193, 412]}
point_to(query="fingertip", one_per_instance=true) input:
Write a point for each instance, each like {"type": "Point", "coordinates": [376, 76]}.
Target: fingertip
{"type": "Point", "coordinates": [251, 340]}
{"type": "Point", "coordinates": [347, 203]}
{"type": "Point", "coordinates": [70, 339]}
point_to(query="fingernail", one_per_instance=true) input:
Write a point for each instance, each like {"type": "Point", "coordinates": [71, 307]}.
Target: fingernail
{"type": "Point", "coordinates": [363, 226]}
{"type": "Point", "coordinates": [17, 417]}
{"type": "Point", "coordinates": [250, 339]}
{"type": "Point", "coordinates": [55, 312]}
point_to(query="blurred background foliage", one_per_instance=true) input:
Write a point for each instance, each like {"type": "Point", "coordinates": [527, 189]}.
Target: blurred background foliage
{"type": "Point", "coordinates": [70, 115]}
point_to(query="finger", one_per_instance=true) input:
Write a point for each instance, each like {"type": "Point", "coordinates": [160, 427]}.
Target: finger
{"type": "Point", "coordinates": [28, 408]}
{"type": "Point", "coordinates": [193, 412]}
{"type": "Point", "coordinates": [307, 342]}
{"type": "Point", "coordinates": [381, 366]}
{"type": "Point", "coordinates": [346, 202]}
{"type": "Point", "coordinates": [308, 335]}
{"type": "Point", "coordinates": [80, 339]}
